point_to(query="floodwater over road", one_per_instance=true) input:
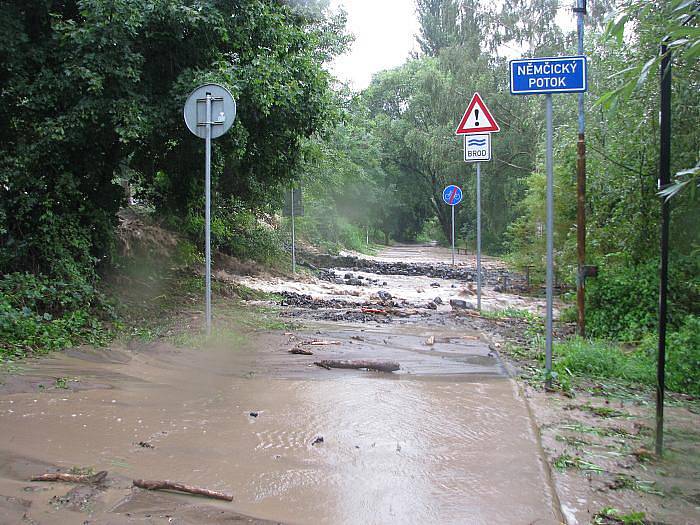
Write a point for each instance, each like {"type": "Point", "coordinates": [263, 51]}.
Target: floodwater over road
{"type": "Point", "coordinates": [447, 439]}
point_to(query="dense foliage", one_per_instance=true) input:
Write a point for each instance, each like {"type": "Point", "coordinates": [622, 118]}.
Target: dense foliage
{"type": "Point", "coordinates": [91, 104]}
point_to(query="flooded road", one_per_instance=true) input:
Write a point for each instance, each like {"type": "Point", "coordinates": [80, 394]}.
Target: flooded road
{"type": "Point", "coordinates": [447, 439]}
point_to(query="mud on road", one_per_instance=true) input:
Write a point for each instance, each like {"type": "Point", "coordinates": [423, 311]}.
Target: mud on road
{"type": "Point", "coordinates": [448, 438]}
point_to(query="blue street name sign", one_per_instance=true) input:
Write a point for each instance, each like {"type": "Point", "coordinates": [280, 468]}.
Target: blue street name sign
{"type": "Point", "coordinates": [535, 76]}
{"type": "Point", "coordinates": [452, 195]}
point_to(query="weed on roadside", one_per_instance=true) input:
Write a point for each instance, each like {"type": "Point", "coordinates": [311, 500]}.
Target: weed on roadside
{"type": "Point", "coordinates": [611, 516]}
{"type": "Point", "coordinates": [627, 482]}
{"type": "Point", "coordinates": [566, 461]}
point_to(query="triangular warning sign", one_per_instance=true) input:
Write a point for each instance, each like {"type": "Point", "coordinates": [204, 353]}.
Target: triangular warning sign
{"type": "Point", "coordinates": [477, 118]}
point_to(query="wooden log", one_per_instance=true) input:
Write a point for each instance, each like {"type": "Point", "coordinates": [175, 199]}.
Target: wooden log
{"type": "Point", "coordinates": [381, 366]}
{"type": "Point", "coordinates": [374, 311]}
{"type": "Point", "coordinates": [300, 351]}
{"type": "Point", "coordinates": [93, 479]}
{"type": "Point", "coordinates": [181, 487]}
{"type": "Point", "coordinates": [321, 343]}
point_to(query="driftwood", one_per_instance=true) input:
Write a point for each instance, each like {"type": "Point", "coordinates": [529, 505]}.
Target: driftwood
{"type": "Point", "coordinates": [181, 487]}
{"type": "Point", "coordinates": [300, 351]}
{"type": "Point", "coordinates": [381, 366]}
{"type": "Point", "coordinates": [320, 343]}
{"type": "Point", "coordinates": [374, 311]}
{"type": "Point", "coordinates": [93, 479]}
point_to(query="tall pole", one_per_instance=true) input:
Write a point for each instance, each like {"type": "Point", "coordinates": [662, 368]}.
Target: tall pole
{"type": "Point", "coordinates": [294, 242]}
{"type": "Point", "coordinates": [453, 234]}
{"type": "Point", "coordinates": [478, 235]}
{"type": "Point", "coordinates": [664, 181]}
{"type": "Point", "coordinates": [207, 213]}
{"type": "Point", "coordinates": [581, 188]}
{"type": "Point", "coordinates": [550, 243]}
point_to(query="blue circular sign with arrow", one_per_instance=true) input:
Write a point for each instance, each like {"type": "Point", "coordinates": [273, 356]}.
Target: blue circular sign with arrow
{"type": "Point", "coordinates": [452, 195]}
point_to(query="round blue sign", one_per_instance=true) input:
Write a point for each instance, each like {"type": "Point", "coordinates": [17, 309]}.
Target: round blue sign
{"type": "Point", "coordinates": [452, 195]}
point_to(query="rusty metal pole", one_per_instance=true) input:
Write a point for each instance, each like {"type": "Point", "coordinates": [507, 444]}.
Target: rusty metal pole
{"type": "Point", "coordinates": [580, 10]}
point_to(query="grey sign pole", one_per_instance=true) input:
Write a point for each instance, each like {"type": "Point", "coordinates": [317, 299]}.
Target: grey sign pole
{"type": "Point", "coordinates": [207, 212]}
{"type": "Point", "coordinates": [203, 103]}
{"type": "Point", "coordinates": [453, 235]}
{"type": "Point", "coordinates": [294, 241]}
{"type": "Point", "coordinates": [550, 243]}
{"type": "Point", "coordinates": [478, 235]}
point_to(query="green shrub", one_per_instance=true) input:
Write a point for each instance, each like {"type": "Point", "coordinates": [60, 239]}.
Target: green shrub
{"type": "Point", "coordinates": [599, 359]}
{"type": "Point", "coordinates": [622, 302]}
{"type": "Point", "coordinates": [682, 356]}
{"type": "Point", "coordinates": [236, 231]}
{"type": "Point", "coordinates": [38, 314]}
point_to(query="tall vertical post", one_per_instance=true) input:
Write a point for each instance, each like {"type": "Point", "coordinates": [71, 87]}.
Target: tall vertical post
{"type": "Point", "coordinates": [207, 213]}
{"type": "Point", "coordinates": [294, 240]}
{"type": "Point", "coordinates": [453, 235]}
{"type": "Point", "coordinates": [581, 187]}
{"type": "Point", "coordinates": [664, 180]}
{"type": "Point", "coordinates": [550, 243]}
{"type": "Point", "coordinates": [478, 235]}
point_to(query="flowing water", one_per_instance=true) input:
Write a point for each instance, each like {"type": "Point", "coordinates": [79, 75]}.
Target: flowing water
{"type": "Point", "coordinates": [447, 439]}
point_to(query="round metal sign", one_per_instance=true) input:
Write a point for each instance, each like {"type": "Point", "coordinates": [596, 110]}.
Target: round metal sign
{"type": "Point", "coordinates": [452, 195]}
{"type": "Point", "coordinates": [223, 110]}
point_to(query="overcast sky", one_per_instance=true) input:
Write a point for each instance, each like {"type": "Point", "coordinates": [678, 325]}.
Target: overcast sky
{"type": "Point", "coordinates": [384, 36]}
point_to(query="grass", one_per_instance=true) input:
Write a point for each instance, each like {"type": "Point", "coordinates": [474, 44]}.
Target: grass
{"type": "Point", "coordinates": [598, 431]}
{"type": "Point", "coordinates": [567, 461]}
{"type": "Point", "coordinates": [626, 482]}
{"type": "Point", "coordinates": [611, 516]}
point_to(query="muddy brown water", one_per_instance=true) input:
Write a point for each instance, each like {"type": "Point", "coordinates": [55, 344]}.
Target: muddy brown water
{"type": "Point", "coordinates": [446, 440]}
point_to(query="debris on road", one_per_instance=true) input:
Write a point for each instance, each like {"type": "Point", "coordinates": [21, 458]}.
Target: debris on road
{"type": "Point", "coordinates": [181, 487]}
{"type": "Point", "coordinates": [91, 479]}
{"type": "Point", "coordinates": [380, 366]}
{"type": "Point", "coordinates": [300, 351]}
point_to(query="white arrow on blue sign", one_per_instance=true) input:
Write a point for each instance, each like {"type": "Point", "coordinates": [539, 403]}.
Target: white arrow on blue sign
{"type": "Point", "coordinates": [452, 195]}
{"type": "Point", "coordinates": [535, 76]}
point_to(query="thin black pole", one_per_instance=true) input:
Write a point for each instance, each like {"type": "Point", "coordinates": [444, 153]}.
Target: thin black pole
{"type": "Point", "coordinates": [664, 181]}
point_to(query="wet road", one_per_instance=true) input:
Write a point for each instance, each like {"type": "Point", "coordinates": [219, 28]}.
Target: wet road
{"type": "Point", "coordinates": [447, 440]}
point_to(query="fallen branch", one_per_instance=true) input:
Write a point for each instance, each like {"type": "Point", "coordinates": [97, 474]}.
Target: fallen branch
{"type": "Point", "coordinates": [300, 351]}
{"type": "Point", "coordinates": [321, 343]}
{"type": "Point", "coordinates": [381, 366]}
{"type": "Point", "coordinates": [374, 311]}
{"type": "Point", "coordinates": [181, 487]}
{"type": "Point", "coordinates": [93, 479]}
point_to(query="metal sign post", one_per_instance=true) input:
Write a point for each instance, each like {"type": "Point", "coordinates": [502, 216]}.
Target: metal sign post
{"type": "Point", "coordinates": [477, 148]}
{"type": "Point", "coordinates": [550, 243]}
{"type": "Point", "coordinates": [294, 240]}
{"type": "Point", "coordinates": [478, 235]}
{"type": "Point", "coordinates": [453, 235]}
{"type": "Point", "coordinates": [452, 195]}
{"type": "Point", "coordinates": [544, 76]}
{"type": "Point", "coordinates": [203, 103]}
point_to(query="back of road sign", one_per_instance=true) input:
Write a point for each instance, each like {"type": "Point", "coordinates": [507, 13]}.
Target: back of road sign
{"type": "Point", "coordinates": [477, 118]}
{"type": "Point", "coordinates": [223, 110]}
{"type": "Point", "coordinates": [452, 195]}
{"type": "Point", "coordinates": [298, 205]}
{"type": "Point", "coordinates": [535, 76]}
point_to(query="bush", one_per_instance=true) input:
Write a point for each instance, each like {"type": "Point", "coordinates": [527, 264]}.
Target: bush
{"type": "Point", "coordinates": [236, 231]}
{"type": "Point", "coordinates": [38, 314]}
{"type": "Point", "coordinates": [622, 302]}
{"type": "Point", "coordinates": [682, 356]}
{"type": "Point", "coordinates": [599, 359]}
